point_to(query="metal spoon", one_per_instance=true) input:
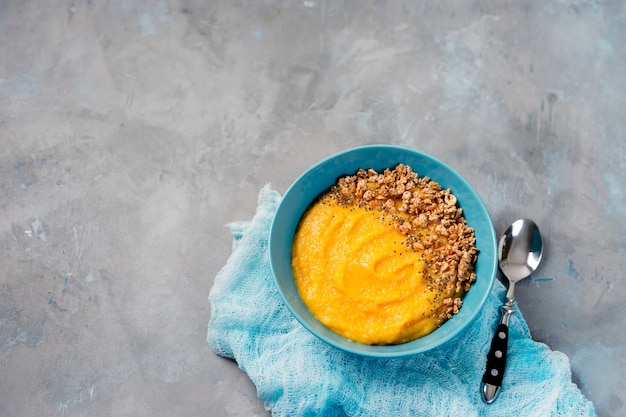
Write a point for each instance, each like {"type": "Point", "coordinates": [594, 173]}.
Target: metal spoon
{"type": "Point", "coordinates": [519, 252]}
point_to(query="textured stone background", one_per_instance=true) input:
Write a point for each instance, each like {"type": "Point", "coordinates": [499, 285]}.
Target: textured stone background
{"type": "Point", "coordinates": [132, 131]}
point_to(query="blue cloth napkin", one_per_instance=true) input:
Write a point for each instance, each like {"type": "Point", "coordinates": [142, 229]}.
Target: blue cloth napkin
{"type": "Point", "coordinates": [298, 375]}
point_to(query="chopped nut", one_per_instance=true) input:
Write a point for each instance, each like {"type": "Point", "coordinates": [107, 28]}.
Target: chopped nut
{"type": "Point", "coordinates": [450, 199]}
{"type": "Point", "coordinates": [390, 206]}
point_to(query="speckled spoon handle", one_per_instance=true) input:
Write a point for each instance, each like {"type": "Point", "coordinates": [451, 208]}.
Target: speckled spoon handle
{"type": "Point", "coordinates": [496, 358]}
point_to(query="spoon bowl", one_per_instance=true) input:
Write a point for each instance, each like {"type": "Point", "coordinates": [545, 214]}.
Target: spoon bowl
{"type": "Point", "coordinates": [520, 250]}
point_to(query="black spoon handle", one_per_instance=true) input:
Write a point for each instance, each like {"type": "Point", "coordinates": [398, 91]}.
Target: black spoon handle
{"type": "Point", "coordinates": [496, 358]}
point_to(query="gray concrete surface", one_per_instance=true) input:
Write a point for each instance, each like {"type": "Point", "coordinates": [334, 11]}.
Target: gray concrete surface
{"type": "Point", "coordinates": [132, 131]}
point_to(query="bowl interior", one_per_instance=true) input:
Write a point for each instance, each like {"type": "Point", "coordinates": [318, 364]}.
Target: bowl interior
{"type": "Point", "coordinates": [323, 175]}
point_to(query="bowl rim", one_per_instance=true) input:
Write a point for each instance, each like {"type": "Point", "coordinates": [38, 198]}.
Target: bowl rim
{"type": "Point", "coordinates": [383, 351]}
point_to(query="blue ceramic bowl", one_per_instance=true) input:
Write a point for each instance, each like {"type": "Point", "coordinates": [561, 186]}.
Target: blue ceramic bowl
{"type": "Point", "coordinates": [324, 174]}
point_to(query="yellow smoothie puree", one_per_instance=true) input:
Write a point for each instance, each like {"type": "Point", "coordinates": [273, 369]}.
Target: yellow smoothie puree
{"type": "Point", "coordinates": [374, 273]}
